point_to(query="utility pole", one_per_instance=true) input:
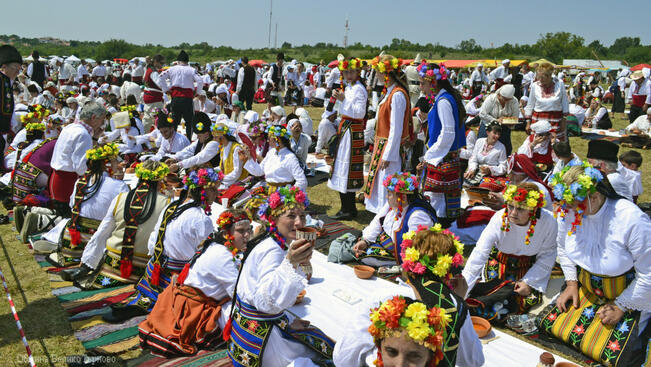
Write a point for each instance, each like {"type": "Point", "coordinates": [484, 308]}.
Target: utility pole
{"type": "Point", "coordinates": [276, 39]}
{"type": "Point", "coordinates": [346, 29]}
{"type": "Point", "coordinates": [271, 5]}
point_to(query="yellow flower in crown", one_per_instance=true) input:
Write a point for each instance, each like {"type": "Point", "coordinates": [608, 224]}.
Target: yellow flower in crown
{"type": "Point", "coordinates": [412, 254]}
{"type": "Point", "coordinates": [107, 151]}
{"type": "Point", "coordinates": [152, 175]}
{"type": "Point", "coordinates": [35, 126]}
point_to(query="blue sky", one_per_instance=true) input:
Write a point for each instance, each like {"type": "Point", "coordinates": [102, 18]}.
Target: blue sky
{"type": "Point", "coordinates": [244, 24]}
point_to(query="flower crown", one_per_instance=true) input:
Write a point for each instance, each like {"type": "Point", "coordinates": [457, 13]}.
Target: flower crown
{"type": "Point", "coordinates": [401, 182]}
{"type": "Point", "coordinates": [352, 64]}
{"type": "Point", "coordinates": [445, 265]}
{"type": "Point", "coordinates": [521, 198]}
{"type": "Point", "coordinates": [432, 74]}
{"type": "Point", "coordinates": [130, 108]}
{"type": "Point", "coordinates": [37, 113]}
{"type": "Point", "coordinates": [585, 185]}
{"type": "Point", "coordinates": [255, 129]}
{"type": "Point", "coordinates": [219, 129]}
{"type": "Point", "coordinates": [152, 175]}
{"type": "Point", "coordinates": [106, 151]}
{"type": "Point", "coordinates": [56, 119]}
{"type": "Point", "coordinates": [227, 219]}
{"type": "Point", "coordinates": [424, 326]}
{"type": "Point", "coordinates": [282, 199]}
{"type": "Point", "coordinates": [35, 126]}
{"type": "Point", "coordinates": [578, 191]}
{"type": "Point", "coordinates": [278, 131]}
{"type": "Point", "coordinates": [524, 199]}
{"type": "Point", "coordinates": [386, 66]}
{"type": "Point", "coordinates": [202, 178]}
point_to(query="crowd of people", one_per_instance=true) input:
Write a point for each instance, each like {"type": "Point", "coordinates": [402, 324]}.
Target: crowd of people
{"type": "Point", "coordinates": [119, 166]}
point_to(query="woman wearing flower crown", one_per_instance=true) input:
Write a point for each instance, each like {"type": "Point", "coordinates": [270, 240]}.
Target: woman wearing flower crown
{"type": "Point", "coordinates": [168, 140]}
{"type": "Point", "coordinates": [404, 211]}
{"type": "Point", "coordinates": [259, 332]}
{"type": "Point", "coordinates": [203, 151]}
{"type": "Point", "coordinates": [89, 202]}
{"type": "Point", "coordinates": [432, 261]}
{"type": "Point", "coordinates": [280, 167]}
{"type": "Point", "coordinates": [116, 254]}
{"type": "Point", "coordinates": [347, 175]}
{"type": "Point", "coordinates": [191, 313]}
{"type": "Point", "coordinates": [232, 155]}
{"type": "Point", "coordinates": [444, 137]}
{"type": "Point", "coordinates": [603, 249]}
{"type": "Point", "coordinates": [181, 228]}
{"type": "Point", "coordinates": [510, 266]}
{"type": "Point", "coordinates": [393, 128]}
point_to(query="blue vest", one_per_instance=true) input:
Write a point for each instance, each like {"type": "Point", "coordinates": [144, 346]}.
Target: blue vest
{"type": "Point", "coordinates": [416, 205]}
{"type": "Point", "coordinates": [434, 124]}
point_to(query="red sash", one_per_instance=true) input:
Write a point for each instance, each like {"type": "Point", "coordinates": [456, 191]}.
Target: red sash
{"type": "Point", "coordinates": [638, 100]}
{"type": "Point", "coordinates": [182, 92]}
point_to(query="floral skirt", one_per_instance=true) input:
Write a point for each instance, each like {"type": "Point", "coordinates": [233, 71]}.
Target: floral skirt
{"type": "Point", "coordinates": [582, 329]}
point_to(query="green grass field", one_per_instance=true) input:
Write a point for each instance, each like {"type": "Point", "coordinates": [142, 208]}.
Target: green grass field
{"type": "Point", "coordinates": [45, 323]}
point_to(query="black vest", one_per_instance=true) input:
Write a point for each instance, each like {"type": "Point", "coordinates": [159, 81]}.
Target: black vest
{"type": "Point", "coordinates": [38, 72]}
{"type": "Point", "coordinates": [214, 161]}
{"type": "Point", "coordinates": [6, 105]}
{"type": "Point", "coordinates": [248, 82]}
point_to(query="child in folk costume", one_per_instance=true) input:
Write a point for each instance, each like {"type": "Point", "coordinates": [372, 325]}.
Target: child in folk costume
{"type": "Point", "coordinates": [445, 137]}
{"type": "Point", "coordinates": [393, 128]}
{"type": "Point", "coordinates": [116, 254]}
{"type": "Point", "coordinates": [603, 249]}
{"type": "Point", "coordinates": [538, 146]}
{"type": "Point", "coordinates": [432, 261]}
{"type": "Point", "coordinates": [231, 153]}
{"type": "Point", "coordinates": [404, 211]}
{"type": "Point", "coordinates": [280, 167]}
{"type": "Point", "coordinates": [347, 175]}
{"type": "Point", "coordinates": [203, 151]}
{"type": "Point", "coordinates": [182, 228]}
{"type": "Point", "coordinates": [191, 313]}
{"type": "Point", "coordinates": [259, 331]}
{"type": "Point", "coordinates": [510, 266]}
{"type": "Point", "coordinates": [90, 201]}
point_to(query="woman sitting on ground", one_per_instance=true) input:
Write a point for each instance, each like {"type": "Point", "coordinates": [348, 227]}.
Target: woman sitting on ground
{"type": "Point", "coordinates": [603, 249]}
{"type": "Point", "coordinates": [432, 261]}
{"type": "Point", "coordinates": [488, 157]}
{"type": "Point", "coordinates": [597, 117]}
{"type": "Point", "coordinates": [405, 210]}
{"type": "Point", "coordinates": [192, 312]}
{"type": "Point", "coordinates": [260, 332]}
{"type": "Point", "coordinates": [182, 228]}
{"type": "Point", "coordinates": [515, 254]}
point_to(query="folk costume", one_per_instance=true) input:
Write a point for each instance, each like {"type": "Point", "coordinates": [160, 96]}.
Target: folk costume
{"type": "Point", "coordinates": [608, 254]}
{"type": "Point", "coordinates": [550, 104]}
{"type": "Point", "coordinates": [198, 153]}
{"type": "Point", "coordinates": [507, 253]}
{"type": "Point", "coordinates": [258, 331]}
{"type": "Point", "coordinates": [152, 97]}
{"type": "Point", "coordinates": [639, 95]}
{"type": "Point", "coordinates": [542, 154]}
{"type": "Point", "coordinates": [171, 146]}
{"type": "Point", "coordinates": [229, 162]}
{"type": "Point", "coordinates": [347, 175]}
{"type": "Point", "coordinates": [445, 137]}
{"type": "Point", "coordinates": [392, 129]}
{"type": "Point", "coordinates": [8, 55]}
{"type": "Point", "coordinates": [384, 233]}
{"type": "Point", "coordinates": [191, 313]}
{"type": "Point", "coordinates": [116, 254]}
{"type": "Point", "coordinates": [90, 200]}
{"type": "Point", "coordinates": [182, 228]}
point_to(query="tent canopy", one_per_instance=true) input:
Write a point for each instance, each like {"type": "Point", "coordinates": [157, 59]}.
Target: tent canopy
{"type": "Point", "coordinates": [640, 67]}
{"type": "Point", "coordinates": [72, 58]}
{"type": "Point", "coordinates": [257, 63]}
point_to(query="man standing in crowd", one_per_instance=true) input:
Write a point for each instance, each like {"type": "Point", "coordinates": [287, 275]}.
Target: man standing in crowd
{"type": "Point", "coordinates": [153, 93]}
{"type": "Point", "coordinates": [10, 62]}
{"type": "Point", "coordinates": [36, 71]}
{"type": "Point", "coordinates": [181, 80]}
{"type": "Point", "coordinates": [246, 83]}
{"type": "Point", "coordinates": [277, 79]}
{"type": "Point", "coordinates": [477, 80]}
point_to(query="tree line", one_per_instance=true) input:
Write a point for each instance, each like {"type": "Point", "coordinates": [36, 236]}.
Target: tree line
{"type": "Point", "coordinates": [552, 46]}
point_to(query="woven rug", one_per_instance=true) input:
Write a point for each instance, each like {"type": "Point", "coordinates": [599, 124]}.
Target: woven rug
{"type": "Point", "coordinates": [85, 310]}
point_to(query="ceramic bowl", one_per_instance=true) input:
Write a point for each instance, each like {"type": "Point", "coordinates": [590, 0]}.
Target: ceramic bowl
{"type": "Point", "coordinates": [364, 271]}
{"type": "Point", "coordinates": [482, 326]}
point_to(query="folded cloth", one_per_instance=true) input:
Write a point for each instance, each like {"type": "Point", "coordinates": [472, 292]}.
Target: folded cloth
{"type": "Point", "coordinates": [341, 249]}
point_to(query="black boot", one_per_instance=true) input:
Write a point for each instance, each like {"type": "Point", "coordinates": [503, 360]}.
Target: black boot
{"type": "Point", "coordinates": [348, 209]}
{"type": "Point", "coordinates": [340, 213]}
{"type": "Point", "coordinates": [73, 274]}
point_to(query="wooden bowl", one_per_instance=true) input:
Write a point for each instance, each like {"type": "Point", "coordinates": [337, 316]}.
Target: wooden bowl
{"type": "Point", "coordinates": [482, 326]}
{"type": "Point", "coordinates": [300, 297]}
{"type": "Point", "coordinates": [130, 170]}
{"type": "Point", "coordinates": [320, 155]}
{"type": "Point", "coordinates": [566, 364]}
{"type": "Point", "coordinates": [364, 271]}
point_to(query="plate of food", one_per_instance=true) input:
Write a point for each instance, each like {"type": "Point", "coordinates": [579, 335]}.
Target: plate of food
{"type": "Point", "coordinates": [510, 121]}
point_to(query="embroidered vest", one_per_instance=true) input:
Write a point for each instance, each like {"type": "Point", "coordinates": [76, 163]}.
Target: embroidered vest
{"type": "Point", "coordinates": [226, 164]}
{"type": "Point", "coordinates": [384, 117]}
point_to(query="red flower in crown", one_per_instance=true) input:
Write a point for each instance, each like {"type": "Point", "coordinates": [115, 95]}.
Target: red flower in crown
{"type": "Point", "coordinates": [520, 195]}
{"type": "Point", "coordinates": [300, 196]}
{"type": "Point", "coordinates": [275, 200]}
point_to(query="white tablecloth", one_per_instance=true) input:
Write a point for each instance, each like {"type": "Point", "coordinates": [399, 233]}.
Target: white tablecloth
{"type": "Point", "coordinates": [321, 164]}
{"type": "Point", "coordinates": [331, 314]}
{"type": "Point", "coordinates": [612, 134]}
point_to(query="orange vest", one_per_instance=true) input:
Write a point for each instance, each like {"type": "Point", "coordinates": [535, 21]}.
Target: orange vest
{"type": "Point", "coordinates": [383, 124]}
